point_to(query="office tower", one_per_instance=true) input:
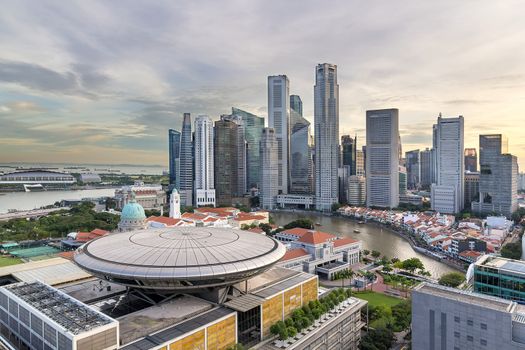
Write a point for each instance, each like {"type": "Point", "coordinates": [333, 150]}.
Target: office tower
{"type": "Point", "coordinates": [348, 153]}
{"type": "Point", "coordinates": [279, 120]}
{"type": "Point", "coordinates": [499, 277]}
{"type": "Point", "coordinates": [186, 162]}
{"type": "Point", "coordinates": [174, 155]}
{"type": "Point", "coordinates": [300, 155]}
{"type": "Point", "coordinates": [447, 192]}
{"type": "Point", "coordinates": [360, 163]}
{"type": "Point", "coordinates": [240, 161]}
{"type": "Point", "coordinates": [402, 180]}
{"type": "Point", "coordinates": [268, 189]}
{"type": "Point", "coordinates": [382, 158]}
{"type": "Point", "coordinates": [413, 167]}
{"type": "Point", "coordinates": [425, 158]}
{"type": "Point", "coordinates": [253, 126]}
{"type": "Point", "coordinates": [471, 188]}
{"type": "Point", "coordinates": [296, 104]}
{"type": "Point", "coordinates": [204, 162]}
{"type": "Point", "coordinates": [326, 120]}
{"type": "Point", "coordinates": [226, 158]}
{"type": "Point", "coordinates": [433, 153]}
{"type": "Point", "coordinates": [356, 190]}
{"type": "Point", "coordinates": [521, 182]}
{"type": "Point", "coordinates": [343, 174]}
{"type": "Point", "coordinates": [471, 160]}
{"type": "Point", "coordinates": [452, 319]}
{"type": "Point", "coordinates": [498, 182]}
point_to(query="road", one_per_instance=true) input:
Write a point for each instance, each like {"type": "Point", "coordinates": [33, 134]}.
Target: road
{"type": "Point", "coordinates": [28, 213]}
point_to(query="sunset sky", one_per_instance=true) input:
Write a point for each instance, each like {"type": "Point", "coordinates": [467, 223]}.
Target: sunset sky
{"type": "Point", "coordinates": [102, 81]}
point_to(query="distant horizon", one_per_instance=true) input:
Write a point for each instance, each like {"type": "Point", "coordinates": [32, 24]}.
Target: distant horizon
{"type": "Point", "coordinates": [76, 164]}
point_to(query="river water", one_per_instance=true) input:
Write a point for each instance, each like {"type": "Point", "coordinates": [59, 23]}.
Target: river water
{"type": "Point", "coordinates": [372, 236]}
{"type": "Point", "coordinates": [35, 200]}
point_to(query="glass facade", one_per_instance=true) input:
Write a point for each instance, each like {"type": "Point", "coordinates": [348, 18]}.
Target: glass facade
{"type": "Point", "coordinates": [491, 281]}
{"type": "Point", "coordinates": [174, 154]}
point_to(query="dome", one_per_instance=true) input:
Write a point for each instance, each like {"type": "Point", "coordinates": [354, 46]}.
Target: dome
{"type": "Point", "coordinates": [133, 211]}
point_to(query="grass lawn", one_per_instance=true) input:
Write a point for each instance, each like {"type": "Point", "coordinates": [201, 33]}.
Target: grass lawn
{"type": "Point", "coordinates": [6, 261]}
{"type": "Point", "coordinates": [375, 299]}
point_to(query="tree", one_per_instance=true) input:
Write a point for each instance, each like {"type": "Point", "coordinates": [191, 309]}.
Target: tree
{"type": "Point", "coordinates": [336, 206]}
{"type": "Point", "coordinates": [266, 228]}
{"type": "Point", "coordinates": [511, 251]}
{"type": "Point", "coordinates": [302, 223]}
{"type": "Point", "coordinates": [366, 252]}
{"type": "Point", "coordinates": [412, 265]}
{"type": "Point", "coordinates": [376, 254]}
{"type": "Point", "coordinates": [452, 279]}
{"type": "Point", "coordinates": [402, 315]}
{"type": "Point", "coordinates": [377, 339]}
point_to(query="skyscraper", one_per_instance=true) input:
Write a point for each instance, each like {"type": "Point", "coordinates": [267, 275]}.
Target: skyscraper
{"type": "Point", "coordinates": [186, 162]}
{"type": "Point", "coordinates": [426, 169]}
{"type": "Point", "coordinates": [447, 192]}
{"type": "Point", "coordinates": [296, 104]}
{"type": "Point", "coordinates": [402, 180]}
{"type": "Point", "coordinates": [301, 167]}
{"type": "Point", "coordinates": [348, 153]}
{"type": "Point", "coordinates": [174, 155]}
{"type": "Point", "coordinates": [413, 167]}
{"type": "Point", "coordinates": [498, 183]}
{"type": "Point", "coordinates": [360, 163]}
{"type": "Point", "coordinates": [382, 158]}
{"type": "Point", "coordinates": [269, 169]}
{"type": "Point", "coordinates": [279, 120]}
{"type": "Point", "coordinates": [471, 188]}
{"type": "Point", "coordinates": [326, 120]}
{"type": "Point", "coordinates": [226, 158]}
{"type": "Point", "coordinates": [471, 160]}
{"type": "Point", "coordinates": [204, 162]}
{"type": "Point", "coordinates": [253, 126]}
{"type": "Point", "coordinates": [240, 161]}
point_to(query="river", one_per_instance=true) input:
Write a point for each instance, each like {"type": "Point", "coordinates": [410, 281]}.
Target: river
{"type": "Point", "coordinates": [372, 236]}
{"type": "Point", "coordinates": [35, 200]}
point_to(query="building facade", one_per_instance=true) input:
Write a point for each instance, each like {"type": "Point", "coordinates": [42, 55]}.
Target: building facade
{"type": "Point", "coordinates": [425, 157]}
{"type": "Point", "coordinates": [498, 183]}
{"type": "Point", "coordinates": [413, 166]}
{"type": "Point", "coordinates": [348, 153]}
{"type": "Point", "coordinates": [204, 162]}
{"type": "Point", "coordinates": [174, 155]}
{"type": "Point", "coordinates": [382, 158]}
{"type": "Point", "coordinates": [471, 160]}
{"type": "Point", "coordinates": [500, 277]}
{"type": "Point", "coordinates": [186, 162]}
{"type": "Point", "coordinates": [301, 163]}
{"type": "Point", "coordinates": [326, 120]}
{"type": "Point", "coordinates": [296, 104]}
{"type": "Point", "coordinates": [356, 190]}
{"type": "Point", "coordinates": [471, 188]}
{"type": "Point", "coordinates": [447, 192]}
{"type": "Point", "coordinates": [279, 120]}
{"type": "Point", "coordinates": [360, 162]}
{"type": "Point", "coordinates": [269, 169]}
{"type": "Point", "coordinates": [226, 159]}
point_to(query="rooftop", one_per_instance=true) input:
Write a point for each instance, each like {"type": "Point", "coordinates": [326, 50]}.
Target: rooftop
{"type": "Point", "coordinates": [294, 254]}
{"type": "Point", "coordinates": [515, 266]}
{"type": "Point", "coordinates": [316, 237]}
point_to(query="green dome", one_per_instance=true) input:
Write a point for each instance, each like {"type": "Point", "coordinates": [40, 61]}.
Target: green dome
{"type": "Point", "coordinates": [133, 211]}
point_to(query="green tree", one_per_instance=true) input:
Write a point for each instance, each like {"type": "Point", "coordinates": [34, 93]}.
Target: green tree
{"type": "Point", "coordinates": [452, 279]}
{"type": "Point", "coordinates": [377, 339]}
{"type": "Point", "coordinates": [303, 223]}
{"type": "Point", "coordinates": [511, 251]}
{"type": "Point", "coordinates": [376, 254]}
{"type": "Point", "coordinates": [366, 252]}
{"type": "Point", "coordinates": [412, 265]}
{"type": "Point", "coordinates": [402, 315]}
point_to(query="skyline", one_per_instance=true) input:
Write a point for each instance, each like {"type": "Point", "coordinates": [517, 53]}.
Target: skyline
{"type": "Point", "coordinates": [103, 82]}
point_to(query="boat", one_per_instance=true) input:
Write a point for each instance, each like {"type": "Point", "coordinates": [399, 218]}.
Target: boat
{"type": "Point", "coordinates": [356, 231]}
{"type": "Point", "coordinates": [361, 222]}
{"type": "Point", "coordinates": [318, 224]}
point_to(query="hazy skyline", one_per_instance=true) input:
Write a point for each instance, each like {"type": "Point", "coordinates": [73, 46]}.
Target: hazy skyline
{"type": "Point", "coordinates": [101, 82]}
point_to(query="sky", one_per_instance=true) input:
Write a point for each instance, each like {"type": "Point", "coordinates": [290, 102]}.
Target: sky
{"type": "Point", "coordinates": [102, 81]}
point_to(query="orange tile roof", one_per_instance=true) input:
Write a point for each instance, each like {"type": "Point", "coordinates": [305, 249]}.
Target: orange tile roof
{"type": "Point", "coordinates": [248, 216]}
{"type": "Point", "coordinates": [67, 255]}
{"type": "Point", "coordinates": [193, 216]}
{"type": "Point", "coordinates": [470, 254]}
{"type": "Point", "coordinates": [99, 232]}
{"type": "Point", "coordinates": [164, 220]}
{"type": "Point", "coordinates": [344, 241]}
{"type": "Point", "coordinates": [294, 254]}
{"type": "Point", "coordinates": [256, 230]}
{"type": "Point", "coordinates": [315, 237]}
{"type": "Point", "coordinates": [296, 231]}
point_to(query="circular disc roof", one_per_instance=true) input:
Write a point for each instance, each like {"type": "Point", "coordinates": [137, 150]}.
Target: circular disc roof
{"type": "Point", "coordinates": [179, 258]}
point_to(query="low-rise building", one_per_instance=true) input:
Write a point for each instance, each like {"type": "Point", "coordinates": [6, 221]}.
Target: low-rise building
{"type": "Point", "coordinates": [149, 196]}
{"type": "Point", "coordinates": [500, 277]}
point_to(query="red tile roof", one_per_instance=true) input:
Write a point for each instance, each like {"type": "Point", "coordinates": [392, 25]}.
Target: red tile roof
{"type": "Point", "coordinates": [66, 255]}
{"type": "Point", "coordinates": [344, 241]}
{"type": "Point", "coordinates": [294, 254]}
{"type": "Point", "coordinates": [88, 236]}
{"type": "Point", "coordinates": [164, 220]}
{"type": "Point", "coordinates": [315, 237]}
{"type": "Point", "coordinates": [256, 230]}
{"type": "Point", "coordinates": [99, 232]}
{"type": "Point", "coordinates": [193, 216]}
{"type": "Point", "coordinates": [470, 254]}
{"type": "Point", "coordinates": [248, 216]}
{"type": "Point", "coordinates": [296, 231]}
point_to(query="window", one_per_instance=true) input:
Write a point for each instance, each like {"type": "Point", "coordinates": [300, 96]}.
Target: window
{"type": "Point", "coordinates": [483, 326]}
{"type": "Point", "coordinates": [456, 334]}
{"type": "Point", "coordinates": [456, 319]}
{"type": "Point", "coordinates": [470, 338]}
{"type": "Point", "coordinates": [470, 322]}
{"type": "Point", "coordinates": [483, 342]}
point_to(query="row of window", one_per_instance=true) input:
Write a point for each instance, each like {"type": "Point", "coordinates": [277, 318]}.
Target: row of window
{"type": "Point", "coordinates": [470, 339]}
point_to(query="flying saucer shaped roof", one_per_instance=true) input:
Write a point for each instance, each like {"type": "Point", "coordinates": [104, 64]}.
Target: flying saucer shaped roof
{"type": "Point", "coordinates": [179, 258]}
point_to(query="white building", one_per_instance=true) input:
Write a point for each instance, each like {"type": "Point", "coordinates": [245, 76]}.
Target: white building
{"type": "Point", "coordinates": [269, 170]}
{"type": "Point", "coordinates": [356, 190]}
{"type": "Point", "coordinates": [279, 120]}
{"type": "Point", "coordinates": [175, 204]}
{"type": "Point", "coordinates": [326, 120]}
{"type": "Point", "coordinates": [382, 158]}
{"type": "Point", "coordinates": [448, 191]}
{"type": "Point", "coordinates": [204, 176]}
{"type": "Point", "coordinates": [148, 196]}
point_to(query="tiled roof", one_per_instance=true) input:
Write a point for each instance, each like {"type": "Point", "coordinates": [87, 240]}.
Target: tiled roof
{"type": "Point", "coordinates": [470, 254]}
{"type": "Point", "coordinates": [248, 216]}
{"type": "Point", "coordinates": [256, 230]}
{"type": "Point", "coordinates": [99, 232]}
{"type": "Point", "coordinates": [296, 231]}
{"type": "Point", "coordinates": [344, 241]}
{"type": "Point", "coordinates": [315, 237]}
{"type": "Point", "coordinates": [294, 254]}
{"type": "Point", "coordinates": [193, 216]}
{"type": "Point", "coordinates": [164, 220]}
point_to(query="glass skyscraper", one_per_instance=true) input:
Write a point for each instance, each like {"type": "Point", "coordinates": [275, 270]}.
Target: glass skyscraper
{"type": "Point", "coordinates": [296, 104]}
{"type": "Point", "coordinates": [301, 167]}
{"type": "Point", "coordinates": [186, 162]}
{"type": "Point", "coordinates": [174, 155]}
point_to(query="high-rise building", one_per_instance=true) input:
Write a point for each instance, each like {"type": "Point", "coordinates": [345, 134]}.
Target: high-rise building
{"type": "Point", "coordinates": [471, 188]}
{"type": "Point", "coordinates": [499, 277]}
{"type": "Point", "coordinates": [240, 161]}
{"type": "Point", "coordinates": [326, 120]}
{"type": "Point", "coordinates": [296, 104]}
{"type": "Point", "coordinates": [521, 182]}
{"type": "Point", "coordinates": [498, 183]}
{"type": "Point", "coordinates": [425, 157]}
{"type": "Point", "coordinates": [382, 158]}
{"type": "Point", "coordinates": [360, 163]}
{"type": "Point", "coordinates": [268, 189]}
{"type": "Point", "coordinates": [174, 155]}
{"type": "Point", "coordinates": [356, 190]}
{"type": "Point", "coordinates": [348, 153]}
{"type": "Point", "coordinates": [226, 158]}
{"type": "Point", "coordinates": [204, 162]}
{"type": "Point", "coordinates": [447, 192]}
{"type": "Point", "coordinates": [471, 160]}
{"type": "Point", "coordinates": [452, 319]}
{"type": "Point", "coordinates": [402, 180]}
{"type": "Point", "coordinates": [253, 126]}
{"type": "Point", "coordinates": [279, 120]}
{"type": "Point", "coordinates": [301, 167]}
{"type": "Point", "coordinates": [343, 175]}
{"type": "Point", "coordinates": [186, 162]}
{"type": "Point", "coordinates": [413, 167]}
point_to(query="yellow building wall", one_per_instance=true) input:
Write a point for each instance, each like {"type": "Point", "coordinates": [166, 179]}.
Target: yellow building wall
{"type": "Point", "coordinates": [292, 300]}
{"type": "Point", "coordinates": [272, 311]}
{"type": "Point", "coordinates": [193, 342]}
{"type": "Point", "coordinates": [310, 289]}
{"type": "Point", "coordinates": [221, 335]}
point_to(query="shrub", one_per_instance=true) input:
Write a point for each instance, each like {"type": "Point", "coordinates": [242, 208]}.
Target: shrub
{"type": "Point", "coordinates": [292, 332]}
